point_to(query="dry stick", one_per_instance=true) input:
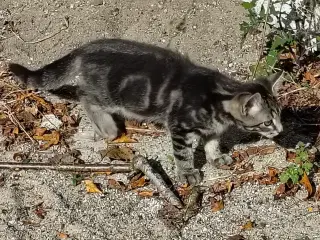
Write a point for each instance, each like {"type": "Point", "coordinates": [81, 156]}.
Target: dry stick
{"type": "Point", "coordinates": [141, 163]}
{"type": "Point", "coordinates": [65, 27]}
{"type": "Point", "coordinates": [114, 168]}
{"type": "Point", "coordinates": [145, 130]}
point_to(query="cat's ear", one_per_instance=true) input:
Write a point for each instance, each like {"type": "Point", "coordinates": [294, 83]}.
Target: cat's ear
{"type": "Point", "coordinates": [250, 104]}
{"type": "Point", "coordinates": [273, 82]}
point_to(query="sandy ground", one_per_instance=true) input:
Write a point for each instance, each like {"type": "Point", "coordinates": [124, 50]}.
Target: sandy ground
{"type": "Point", "coordinates": [208, 31]}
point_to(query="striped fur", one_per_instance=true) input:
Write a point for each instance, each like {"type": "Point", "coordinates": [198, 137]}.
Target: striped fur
{"type": "Point", "coordinates": [115, 79]}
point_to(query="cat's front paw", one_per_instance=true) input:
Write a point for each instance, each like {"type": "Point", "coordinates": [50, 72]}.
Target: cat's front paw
{"type": "Point", "coordinates": [224, 159]}
{"type": "Point", "coordinates": [192, 176]}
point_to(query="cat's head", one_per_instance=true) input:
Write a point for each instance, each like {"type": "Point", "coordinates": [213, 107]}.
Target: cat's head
{"type": "Point", "coordinates": [258, 110]}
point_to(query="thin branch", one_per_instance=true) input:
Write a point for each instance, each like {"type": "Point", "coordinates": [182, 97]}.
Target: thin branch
{"type": "Point", "coordinates": [119, 168]}
{"type": "Point", "coordinates": [293, 91]}
{"type": "Point", "coordinates": [65, 27]}
{"type": "Point", "coordinates": [141, 163]}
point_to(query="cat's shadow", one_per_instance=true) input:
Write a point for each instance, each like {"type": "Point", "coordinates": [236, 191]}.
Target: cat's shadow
{"type": "Point", "coordinates": [301, 124]}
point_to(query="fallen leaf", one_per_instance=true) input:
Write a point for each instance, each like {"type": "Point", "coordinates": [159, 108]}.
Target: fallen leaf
{"type": "Point", "coordinates": [146, 193]}
{"type": "Point", "coordinates": [265, 150]}
{"type": "Point", "coordinates": [114, 184]}
{"type": "Point", "coordinates": [124, 139]}
{"type": "Point", "coordinates": [216, 205]}
{"type": "Point", "coordinates": [291, 156]}
{"type": "Point", "coordinates": [249, 225]}
{"type": "Point", "coordinates": [52, 138]}
{"type": "Point", "coordinates": [306, 183]}
{"type": "Point", "coordinates": [118, 153]}
{"type": "Point", "coordinates": [184, 190]}
{"type": "Point", "coordinates": [272, 172]}
{"type": "Point", "coordinates": [284, 190]}
{"type": "Point", "coordinates": [309, 77]}
{"type": "Point", "coordinates": [91, 187]}
{"type": "Point", "coordinates": [15, 130]}
{"type": "Point", "coordinates": [39, 131]}
{"type": "Point", "coordinates": [141, 182]}
{"type": "Point", "coordinates": [219, 188]}
{"type": "Point", "coordinates": [39, 211]}
{"type": "Point", "coordinates": [310, 209]}
{"type": "Point", "coordinates": [42, 102]}
{"type": "Point", "coordinates": [252, 150]}
{"type": "Point", "coordinates": [61, 235]}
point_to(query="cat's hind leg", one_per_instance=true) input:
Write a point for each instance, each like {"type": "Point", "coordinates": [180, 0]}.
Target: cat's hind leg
{"type": "Point", "coordinates": [107, 125]}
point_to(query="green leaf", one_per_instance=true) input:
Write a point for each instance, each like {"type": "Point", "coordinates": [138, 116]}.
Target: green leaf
{"type": "Point", "coordinates": [294, 178]}
{"type": "Point", "coordinates": [272, 58]}
{"type": "Point", "coordinates": [284, 177]}
{"type": "Point", "coordinates": [303, 156]}
{"type": "Point", "coordinates": [248, 5]}
{"type": "Point", "coordinates": [307, 166]}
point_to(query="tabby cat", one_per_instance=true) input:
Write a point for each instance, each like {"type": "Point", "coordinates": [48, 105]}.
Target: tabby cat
{"type": "Point", "coordinates": [118, 79]}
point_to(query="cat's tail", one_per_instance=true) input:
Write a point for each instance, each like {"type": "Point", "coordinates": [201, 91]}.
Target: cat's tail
{"type": "Point", "coordinates": [26, 76]}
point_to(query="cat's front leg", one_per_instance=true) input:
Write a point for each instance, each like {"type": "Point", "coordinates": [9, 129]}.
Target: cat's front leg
{"type": "Point", "coordinates": [213, 154]}
{"type": "Point", "coordinates": [184, 157]}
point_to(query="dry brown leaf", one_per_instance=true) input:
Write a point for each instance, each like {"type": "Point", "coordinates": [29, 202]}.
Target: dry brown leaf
{"type": "Point", "coordinates": [114, 184]}
{"type": "Point", "coordinates": [146, 193]}
{"type": "Point", "coordinates": [118, 153]}
{"type": "Point", "coordinates": [124, 139]}
{"type": "Point", "coordinates": [91, 187]}
{"type": "Point", "coordinates": [15, 130]}
{"type": "Point", "coordinates": [306, 183]}
{"type": "Point", "coordinates": [184, 190]}
{"type": "Point", "coordinates": [219, 188]}
{"type": "Point", "coordinates": [216, 205]}
{"type": "Point", "coordinates": [42, 102]}
{"type": "Point", "coordinates": [61, 235]}
{"type": "Point", "coordinates": [284, 190]}
{"type": "Point", "coordinates": [249, 225]}
{"type": "Point", "coordinates": [291, 156]}
{"type": "Point", "coordinates": [141, 182]}
{"type": "Point", "coordinates": [39, 131]}
{"type": "Point", "coordinates": [52, 138]}
{"type": "Point", "coordinates": [309, 77]}
{"type": "Point", "coordinates": [265, 150]}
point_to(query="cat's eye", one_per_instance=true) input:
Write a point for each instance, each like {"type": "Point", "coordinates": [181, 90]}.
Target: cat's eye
{"type": "Point", "coordinates": [268, 123]}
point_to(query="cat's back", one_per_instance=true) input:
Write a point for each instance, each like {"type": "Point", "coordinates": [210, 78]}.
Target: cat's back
{"type": "Point", "coordinates": [123, 46]}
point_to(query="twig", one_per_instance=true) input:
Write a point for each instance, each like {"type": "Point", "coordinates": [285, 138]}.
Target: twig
{"type": "Point", "coordinates": [65, 27]}
{"type": "Point", "coordinates": [14, 120]}
{"type": "Point", "coordinates": [296, 90]}
{"type": "Point", "coordinates": [263, 40]}
{"type": "Point", "coordinates": [141, 163]}
{"type": "Point", "coordinates": [68, 167]}
{"type": "Point", "coordinates": [145, 130]}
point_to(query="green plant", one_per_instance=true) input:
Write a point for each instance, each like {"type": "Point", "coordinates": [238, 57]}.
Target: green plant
{"type": "Point", "coordinates": [279, 41]}
{"type": "Point", "coordinates": [300, 166]}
